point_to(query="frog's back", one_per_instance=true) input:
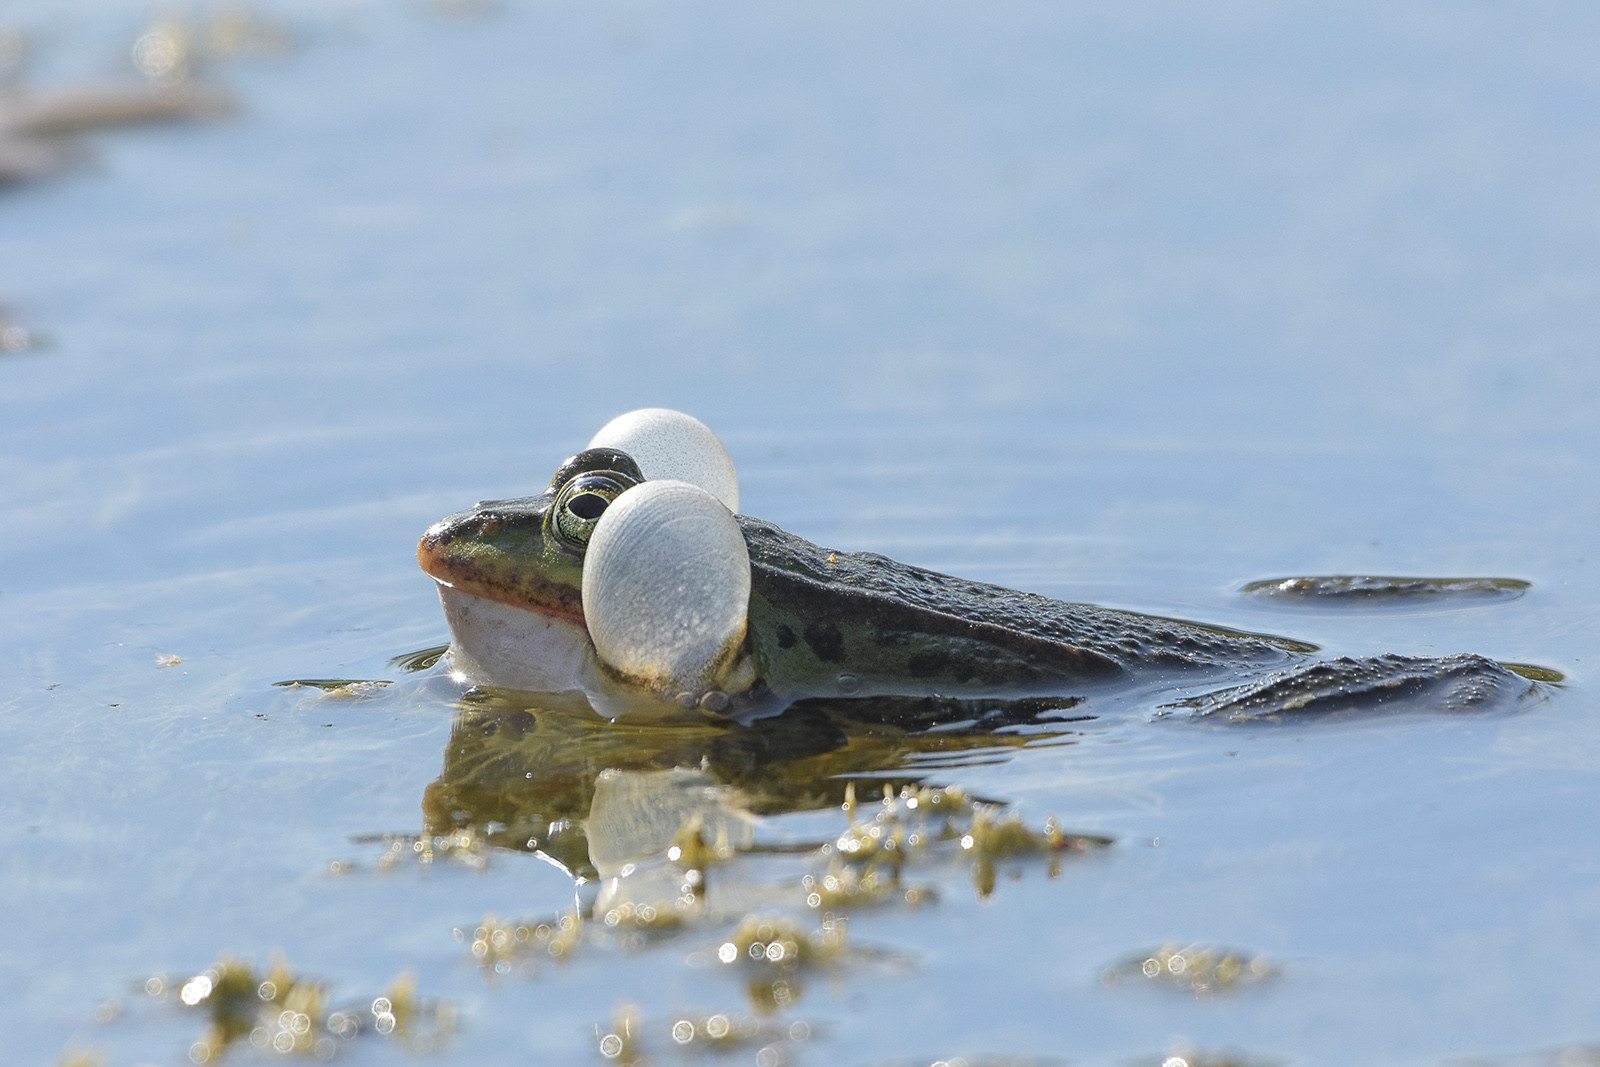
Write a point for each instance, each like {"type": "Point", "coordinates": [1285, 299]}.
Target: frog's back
{"type": "Point", "coordinates": [868, 617]}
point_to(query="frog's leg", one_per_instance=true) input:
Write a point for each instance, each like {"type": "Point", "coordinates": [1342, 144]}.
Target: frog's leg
{"type": "Point", "coordinates": [1348, 684]}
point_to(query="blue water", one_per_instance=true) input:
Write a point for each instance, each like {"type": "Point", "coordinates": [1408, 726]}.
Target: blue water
{"type": "Point", "coordinates": [1114, 302]}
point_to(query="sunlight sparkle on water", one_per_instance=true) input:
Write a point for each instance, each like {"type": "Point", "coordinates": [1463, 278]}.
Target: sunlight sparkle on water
{"type": "Point", "coordinates": [195, 989]}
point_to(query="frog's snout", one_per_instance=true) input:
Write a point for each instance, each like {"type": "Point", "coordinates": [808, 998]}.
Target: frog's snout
{"type": "Point", "coordinates": [432, 554]}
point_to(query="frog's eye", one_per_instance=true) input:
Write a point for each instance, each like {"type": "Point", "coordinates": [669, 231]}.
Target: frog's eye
{"type": "Point", "coordinates": [670, 444]}
{"type": "Point", "coordinates": [580, 504]}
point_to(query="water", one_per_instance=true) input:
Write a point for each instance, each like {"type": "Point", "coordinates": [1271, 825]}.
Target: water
{"type": "Point", "coordinates": [1113, 303]}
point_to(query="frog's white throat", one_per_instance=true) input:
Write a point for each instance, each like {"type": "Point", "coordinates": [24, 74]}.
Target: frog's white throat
{"type": "Point", "coordinates": [496, 644]}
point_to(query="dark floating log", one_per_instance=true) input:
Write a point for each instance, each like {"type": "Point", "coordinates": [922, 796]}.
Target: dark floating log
{"type": "Point", "coordinates": [1362, 589]}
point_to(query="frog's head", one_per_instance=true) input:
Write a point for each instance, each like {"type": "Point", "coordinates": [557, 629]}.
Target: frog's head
{"type": "Point", "coordinates": [643, 581]}
{"type": "Point", "coordinates": [528, 553]}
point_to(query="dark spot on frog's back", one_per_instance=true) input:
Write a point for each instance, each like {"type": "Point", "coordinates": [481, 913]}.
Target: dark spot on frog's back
{"type": "Point", "coordinates": [825, 640]}
{"type": "Point", "coordinates": [786, 637]}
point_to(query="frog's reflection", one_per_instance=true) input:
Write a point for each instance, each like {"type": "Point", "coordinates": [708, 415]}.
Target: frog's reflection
{"type": "Point", "coordinates": [524, 773]}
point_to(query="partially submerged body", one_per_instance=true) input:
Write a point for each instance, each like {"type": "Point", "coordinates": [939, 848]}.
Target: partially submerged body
{"type": "Point", "coordinates": [804, 621]}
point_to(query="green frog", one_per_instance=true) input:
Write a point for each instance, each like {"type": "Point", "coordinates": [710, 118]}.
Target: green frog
{"type": "Point", "coordinates": [649, 594]}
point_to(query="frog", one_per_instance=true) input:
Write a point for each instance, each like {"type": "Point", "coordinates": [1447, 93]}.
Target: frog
{"type": "Point", "coordinates": [523, 583]}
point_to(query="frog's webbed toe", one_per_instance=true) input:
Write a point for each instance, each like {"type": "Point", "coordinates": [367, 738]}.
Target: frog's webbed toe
{"type": "Point", "coordinates": [666, 588]}
{"type": "Point", "coordinates": [670, 444]}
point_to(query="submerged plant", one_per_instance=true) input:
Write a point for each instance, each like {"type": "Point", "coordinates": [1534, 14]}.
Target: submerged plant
{"type": "Point", "coordinates": [1204, 969]}
{"type": "Point", "coordinates": [277, 1011]}
{"type": "Point", "coordinates": [629, 1038]}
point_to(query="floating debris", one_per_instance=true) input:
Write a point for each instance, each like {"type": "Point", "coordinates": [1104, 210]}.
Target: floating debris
{"type": "Point", "coordinates": [340, 688]}
{"type": "Point", "coordinates": [40, 127]}
{"type": "Point", "coordinates": [1201, 968]}
{"type": "Point", "coordinates": [1367, 590]}
{"type": "Point", "coordinates": [24, 160]}
{"type": "Point", "coordinates": [41, 115]}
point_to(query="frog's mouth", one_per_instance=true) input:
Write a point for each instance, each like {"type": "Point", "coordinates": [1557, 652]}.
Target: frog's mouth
{"type": "Point", "coordinates": [457, 553]}
{"type": "Point", "coordinates": [511, 625]}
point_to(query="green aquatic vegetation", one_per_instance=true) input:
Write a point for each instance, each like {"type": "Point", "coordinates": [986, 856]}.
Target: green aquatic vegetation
{"type": "Point", "coordinates": [773, 952]}
{"type": "Point", "coordinates": [690, 849]}
{"type": "Point", "coordinates": [767, 941]}
{"type": "Point", "coordinates": [992, 838]}
{"type": "Point", "coordinates": [620, 1043]}
{"type": "Point", "coordinates": [882, 841]}
{"type": "Point", "coordinates": [864, 863]}
{"type": "Point", "coordinates": [340, 688]}
{"type": "Point", "coordinates": [501, 947]}
{"type": "Point", "coordinates": [648, 918]}
{"type": "Point", "coordinates": [1203, 969]}
{"type": "Point", "coordinates": [629, 1039]}
{"type": "Point", "coordinates": [280, 1012]}
{"type": "Point", "coordinates": [929, 800]}
{"type": "Point", "coordinates": [845, 886]}
{"type": "Point", "coordinates": [464, 847]}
